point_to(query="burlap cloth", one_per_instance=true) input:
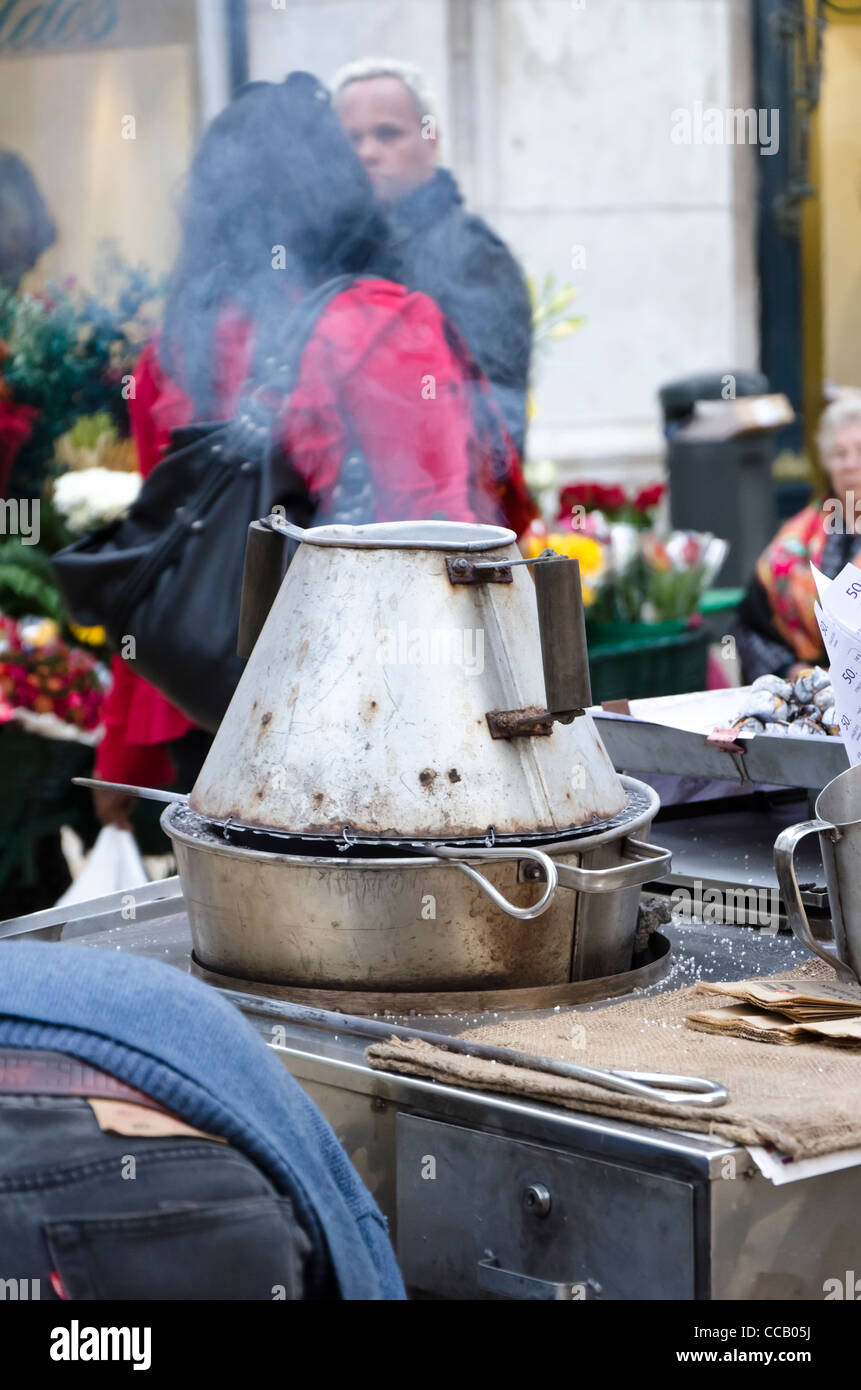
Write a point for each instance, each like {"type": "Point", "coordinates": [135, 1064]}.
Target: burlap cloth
{"type": "Point", "coordinates": [805, 1099]}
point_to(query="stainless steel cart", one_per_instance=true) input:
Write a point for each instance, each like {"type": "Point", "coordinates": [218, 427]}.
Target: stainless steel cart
{"type": "Point", "coordinates": [491, 1196]}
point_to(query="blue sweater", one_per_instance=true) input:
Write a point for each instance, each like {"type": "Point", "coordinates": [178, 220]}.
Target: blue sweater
{"type": "Point", "coordinates": [175, 1038]}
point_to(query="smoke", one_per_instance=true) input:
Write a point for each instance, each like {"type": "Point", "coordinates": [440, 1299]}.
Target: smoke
{"type": "Point", "coordinates": [277, 204]}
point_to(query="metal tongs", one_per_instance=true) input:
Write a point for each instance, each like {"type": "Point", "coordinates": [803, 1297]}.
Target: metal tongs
{"type": "Point", "coordinates": [649, 1085]}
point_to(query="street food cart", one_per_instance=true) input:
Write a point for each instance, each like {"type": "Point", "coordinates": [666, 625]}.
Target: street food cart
{"type": "Point", "coordinates": [531, 1200]}
{"type": "Point", "coordinates": [372, 852]}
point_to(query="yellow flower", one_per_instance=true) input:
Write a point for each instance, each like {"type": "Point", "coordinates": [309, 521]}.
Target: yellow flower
{"type": "Point", "coordinates": [589, 552]}
{"type": "Point", "coordinates": [90, 636]}
{"type": "Point", "coordinates": [532, 545]}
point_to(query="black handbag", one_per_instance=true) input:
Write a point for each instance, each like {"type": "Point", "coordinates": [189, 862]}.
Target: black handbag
{"type": "Point", "coordinates": [165, 581]}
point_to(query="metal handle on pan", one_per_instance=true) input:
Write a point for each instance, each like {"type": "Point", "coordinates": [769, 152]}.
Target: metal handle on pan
{"type": "Point", "coordinates": [525, 914]}
{"type": "Point", "coordinates": [645, 863]}
{"type": "Point", "coordinates": [784, 864]}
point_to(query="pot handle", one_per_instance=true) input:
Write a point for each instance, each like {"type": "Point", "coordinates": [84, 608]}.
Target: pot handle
{"type": "Point", "coordinates": [525, 914]}
{"type": "Point", "coordinates": [645, 863]}
{"type": "Point", "coordinates": [784, 864]}
{"type": "Point", "coordinates": [287, 528]}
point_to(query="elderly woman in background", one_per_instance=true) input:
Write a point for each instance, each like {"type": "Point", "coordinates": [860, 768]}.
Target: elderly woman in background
{"type": "Point", "coordinates": [777, 630]}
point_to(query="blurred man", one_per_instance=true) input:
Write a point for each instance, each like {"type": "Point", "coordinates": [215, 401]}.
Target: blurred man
{"type": "Point", "coordinates": [453, 256]}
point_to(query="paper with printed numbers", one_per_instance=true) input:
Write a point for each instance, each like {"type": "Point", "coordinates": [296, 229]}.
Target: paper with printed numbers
{"type": "Point", "coordinates": [841, 596]}
{"type": "Point", "coordinates": [839, 622]}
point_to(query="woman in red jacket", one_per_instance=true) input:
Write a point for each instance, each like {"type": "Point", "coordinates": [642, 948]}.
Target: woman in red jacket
{"type": "Point", "coordinates": [278, 203]}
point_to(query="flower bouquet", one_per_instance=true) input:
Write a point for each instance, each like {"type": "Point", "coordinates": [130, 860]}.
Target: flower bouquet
{"type": "Point", "coordinates": [89, 497]}
{"type": "Point", "coordinates": [40, 675]}
{"type": "Point", "coordinates": [643, 576]}
{"type": "Point", "coordinates": [64, 354]}
{"type": "Point", "coordinates": [51, 699]}
{"type": "Point", "coordinates": [651, 579]}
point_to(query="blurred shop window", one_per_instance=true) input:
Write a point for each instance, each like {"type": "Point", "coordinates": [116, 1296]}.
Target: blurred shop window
{"type": "Point", "coordinates": [99, 99]}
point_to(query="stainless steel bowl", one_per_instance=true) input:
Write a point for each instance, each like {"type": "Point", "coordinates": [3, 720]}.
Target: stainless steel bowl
{"type": "Point", "coordinates": [476, 919]}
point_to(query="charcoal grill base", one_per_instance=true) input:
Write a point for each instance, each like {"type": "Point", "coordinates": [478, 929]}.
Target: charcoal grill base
{"type": "Point", "coordinates": [415, 924]}
{"type": "Point", "coordinates": [654, 966]}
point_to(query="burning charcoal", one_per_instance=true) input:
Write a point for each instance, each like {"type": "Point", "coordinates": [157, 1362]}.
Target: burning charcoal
{"type": "Point", "coordinates": [775, 685]}
{"type": "Point", "coordinates": [764, 705]}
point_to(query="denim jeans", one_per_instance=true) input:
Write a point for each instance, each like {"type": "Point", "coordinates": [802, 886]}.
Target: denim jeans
{"type": "Point", "coordinates": [115, 1217]}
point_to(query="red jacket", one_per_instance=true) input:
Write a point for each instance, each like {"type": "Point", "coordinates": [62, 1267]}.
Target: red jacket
{"type": "Point", "coordinates": [379, 358]}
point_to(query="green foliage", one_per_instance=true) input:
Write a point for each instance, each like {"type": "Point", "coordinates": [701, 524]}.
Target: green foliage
{"type": "Point", "coordinates": [27, 582]}
{"type": "Point", "coordinates": [53, 532]}
{"type": "Point", "coordinates": [550, 305]}
{"type": "Point", "coordinates": [668, 594]}
{"type": "Point", "coordinates": [89, 429]}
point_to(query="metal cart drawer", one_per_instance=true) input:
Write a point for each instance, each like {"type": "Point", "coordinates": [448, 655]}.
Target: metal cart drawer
{"type": "Point", "coordinates": [481, 1216]}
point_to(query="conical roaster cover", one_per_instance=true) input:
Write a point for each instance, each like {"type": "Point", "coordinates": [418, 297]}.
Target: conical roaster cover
{"type": "Point", "coordinates": [364, 705]}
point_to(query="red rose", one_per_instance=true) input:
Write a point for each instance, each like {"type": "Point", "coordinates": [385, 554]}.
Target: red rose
{"type": "Point", "coordinates": [16, 426]}
{"type": "Point", "coordinates": [574, 495]}
{"type": "Point", "coordinates": [649, 497]}
{"type": "Point", "coordinates": [612, 498]}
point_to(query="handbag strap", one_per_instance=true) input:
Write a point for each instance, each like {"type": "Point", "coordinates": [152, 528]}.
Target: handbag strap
{"type": "Point", "coordinates": [271, 383]}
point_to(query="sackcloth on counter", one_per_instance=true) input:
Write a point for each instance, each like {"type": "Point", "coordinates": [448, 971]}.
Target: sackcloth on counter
{"type": "Point", "coordinates": [805, 1100]}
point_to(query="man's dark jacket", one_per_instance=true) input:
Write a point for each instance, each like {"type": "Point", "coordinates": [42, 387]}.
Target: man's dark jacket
{"type": "Point", "coordinates": [456, 259]}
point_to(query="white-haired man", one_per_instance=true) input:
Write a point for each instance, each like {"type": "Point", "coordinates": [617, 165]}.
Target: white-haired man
{"type": "Point", "coordinates": [388, 113]}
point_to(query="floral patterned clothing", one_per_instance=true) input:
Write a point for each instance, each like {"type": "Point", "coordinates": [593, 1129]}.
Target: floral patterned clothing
{"type": "Point", "coordinates": [777, 625]}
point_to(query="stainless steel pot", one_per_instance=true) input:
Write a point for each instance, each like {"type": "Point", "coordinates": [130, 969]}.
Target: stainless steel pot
{"type": "Point", "coordinates": [838, 825]}
{"type": "Point", "coordinates": [455, 919]}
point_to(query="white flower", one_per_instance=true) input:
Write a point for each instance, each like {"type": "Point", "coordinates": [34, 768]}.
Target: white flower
{"type": "Point", "coordinates": [715, 553]}
{"type": "Point", "coordinates": [624, 546]}
{"type": "Point", "coordinates": [92, 497]}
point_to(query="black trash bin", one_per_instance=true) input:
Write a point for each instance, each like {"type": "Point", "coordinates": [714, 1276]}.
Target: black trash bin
{"type": "Point", "coordinates": [719, 463]}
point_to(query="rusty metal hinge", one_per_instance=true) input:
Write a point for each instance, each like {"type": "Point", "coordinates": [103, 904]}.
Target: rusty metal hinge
{"type": "Point", "coordinates": [462, 570]}
{"type": "Point", "coordinates": [532, 722]}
